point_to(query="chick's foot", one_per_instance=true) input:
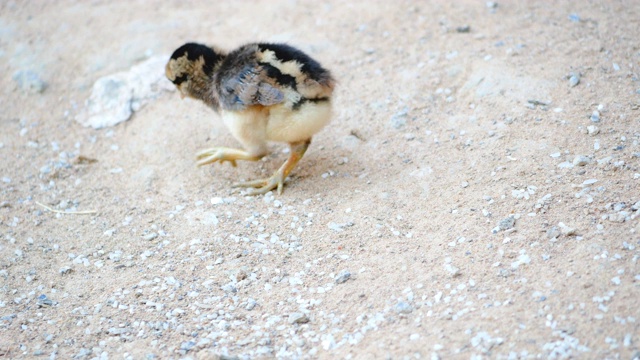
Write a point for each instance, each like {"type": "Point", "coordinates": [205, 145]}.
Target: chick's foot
{"type": "Point", "coordinates": [276, 181]}
{"type": "Point", "coordinates": [263, 186]}
{"type": "Point", "coordinates": [222, 154]}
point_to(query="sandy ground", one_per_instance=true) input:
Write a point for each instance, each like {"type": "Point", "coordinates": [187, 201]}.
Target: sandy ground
{"type": "Point", "coordinates": [483, 205]}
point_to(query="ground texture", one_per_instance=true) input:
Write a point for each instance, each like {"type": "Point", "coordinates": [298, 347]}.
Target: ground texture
{"type": "Point", "coordinates": [477, 194]}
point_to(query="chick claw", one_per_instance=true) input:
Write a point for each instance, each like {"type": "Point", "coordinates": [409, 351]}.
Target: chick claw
{"type": "Point", "coordinates": [263, 186]}
{"type": "Point", "coordinates": [222, 154]}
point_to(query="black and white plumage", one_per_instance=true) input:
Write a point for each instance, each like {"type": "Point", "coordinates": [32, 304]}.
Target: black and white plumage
{"type": "Point", "coordinates": [264, 92]}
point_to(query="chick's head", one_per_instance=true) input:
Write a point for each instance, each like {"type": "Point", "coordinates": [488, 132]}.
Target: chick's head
{"type": "Point", "coordinates": [191, 68]}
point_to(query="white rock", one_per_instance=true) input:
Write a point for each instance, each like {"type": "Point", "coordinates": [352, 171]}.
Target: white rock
{"type": "Point", "coordinates": [565, 165]}
{"type": "Point", "coordinates": [115, 97]}
{"type": "Point", "coordinates": [298, 318]}
{"type": "Point", "coordinates": [593, 130]}
{"type": "Point", "coordinates": [581, 160]}
{"type": "Point", "coordinates": [566, 230]}
{"type": "Point", "coordinates": [452, 270]}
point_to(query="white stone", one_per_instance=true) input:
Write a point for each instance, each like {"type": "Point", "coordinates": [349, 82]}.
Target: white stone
{"type": "Point", "coordinates": [115, 97]}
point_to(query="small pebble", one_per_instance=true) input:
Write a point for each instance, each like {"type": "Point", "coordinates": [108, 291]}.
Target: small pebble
{"type": "Point", "coordinates": [150, 236]}
{"type": "Point", "coordinates": [229, 288]}
{"type": "Point", "coordinates": [409, 136]}
{"type": "Point", "coordinates": [581, 160]}
{"type": "Point", "coordinates": [187, 346]}
{"type": "Point", "coordinates": [452, 270]}
{"type": "Point", "coordinates": [566, 230]}
{"type": "Point", "coordinates": [399, 120]}
{"type": "Point", "coordinates": [553, 232]}
{"type": "Point", "coordinates": [117, 331]}
{"type": "Point", "coordinates": [507, 223]}
{"type": "Point", "coordinates": [298, 318]}
{"type": "Point", "coordinates": [343, 277]}
{"type": "Point", "coordinates": [565, 165]}
{"type": "Point", "coordinates": [595, 116]}
{"type": "Point", "coordinates": [44, 301]}
{"type": "Point", "coordinates": [593, 130]}
{"type": "Point", "coordinates": [574, 80]}
{"type": "Point", "coordinates": [403, 308]}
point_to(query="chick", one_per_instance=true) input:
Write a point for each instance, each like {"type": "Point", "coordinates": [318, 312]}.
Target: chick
{"type": "Point", "coordinates": [263, 92]}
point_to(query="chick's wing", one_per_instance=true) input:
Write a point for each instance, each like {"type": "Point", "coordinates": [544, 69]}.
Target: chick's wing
{"type": "Point", "coordinates": [248, 86]}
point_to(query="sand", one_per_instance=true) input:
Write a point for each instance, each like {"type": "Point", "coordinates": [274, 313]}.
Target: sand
{"type": "Point", "coordinates": [476, 195]}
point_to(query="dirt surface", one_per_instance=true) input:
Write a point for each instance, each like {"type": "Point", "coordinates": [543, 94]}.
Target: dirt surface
{"type": "Point", "coordinates": [483, 204]}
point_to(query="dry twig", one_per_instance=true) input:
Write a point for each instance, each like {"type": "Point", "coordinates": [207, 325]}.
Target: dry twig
{"type": "Point", "coordinates": [87, 212]}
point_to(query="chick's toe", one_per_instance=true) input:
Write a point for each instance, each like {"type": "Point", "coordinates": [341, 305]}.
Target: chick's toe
{"type": "Point", "coordinates": [263, 186]}
{"type": "Point", "coordinates": [276, 181]}
{"type": "Point", "coordinates": [222, 154]}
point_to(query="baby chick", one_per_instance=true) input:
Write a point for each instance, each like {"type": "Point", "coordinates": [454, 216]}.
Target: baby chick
{"type": "Point", "coordinates": [263, 92]}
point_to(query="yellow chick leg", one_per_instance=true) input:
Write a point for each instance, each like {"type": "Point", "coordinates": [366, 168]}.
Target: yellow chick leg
{"type": "Point", "coordinates": [223, 154]}
{"type": "Point", "coordinates": [277, 179]}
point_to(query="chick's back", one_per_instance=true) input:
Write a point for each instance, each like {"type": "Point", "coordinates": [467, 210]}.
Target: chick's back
{"type": "Point", "coordinates": [268, 74]}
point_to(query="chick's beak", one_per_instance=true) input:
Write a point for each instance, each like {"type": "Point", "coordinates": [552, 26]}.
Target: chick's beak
{"type": "Point", "coordinates": [181, 91]}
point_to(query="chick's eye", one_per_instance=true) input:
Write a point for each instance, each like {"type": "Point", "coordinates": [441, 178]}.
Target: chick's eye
{"type": "Point", "coordinates": [180, 79]}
